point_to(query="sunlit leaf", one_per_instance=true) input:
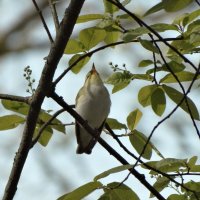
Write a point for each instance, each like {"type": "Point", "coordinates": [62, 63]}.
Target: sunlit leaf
{"type": "Point", "coordinates": [177, 96]}
{"type": "Point", "coordinates": [77, 68]}
{"type": "Point", "coordinates": [182, 76]}
{"type": "Point", "coordinates": [161, 27]}
{"type": "Point", "coordinates": [90, 37]}
{"type": "Point", "coordinates": [114, 124]}
{"type": "Point", "coordinates": [109, 7]}
{"type": "Point", "coordinates": [16, 106]}
{"type": "Point", "coordinates": [133, 119]}
{"type": "Point", "coordinates": [144, 95]}
{"type": "Point", "coordinates": [120, 80]}
{"type": "Point", "coordinates": [45, 136]}
{"type": "Point", "coordinates": [74, 46]}
{"type": "Point", "coordinates": [190, 17]}
{"type": "Point", "coordinates": [89, 17]}
{"type": "Point", "coordinates": [177, 197]}
{"type": "Point", "coordinates": [81, 192]}
{"type": "Point", "coordinates": [111, 37]}
{"type": "Point", "coordinates": [145, 63]}
{"type": "Point", "coordinates": [10, 121]}
{"type": "Point", "coordinates": [175, 5]}
{"type": "Point", "coordinates": [112, 171]}
{"type": "Point", "coordinates": [154, 9]}
{"type": "Point", "coordinates": [138, 141]}
{"type": "Point", "coordinates": [119, 191]}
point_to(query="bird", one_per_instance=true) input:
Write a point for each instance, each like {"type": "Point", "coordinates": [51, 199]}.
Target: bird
{"type": "Point", "coordinates": [93, 105]}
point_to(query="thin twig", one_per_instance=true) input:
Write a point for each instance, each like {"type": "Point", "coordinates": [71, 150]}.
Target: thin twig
{"type": "Point", "coordinates": [43, 21]}
{"type": "Point", "coordinates": [44, 126]}
{"type": "Point", "coordinates": [89, 54]}
{"type": "Point", "coordinates": [55, 15]}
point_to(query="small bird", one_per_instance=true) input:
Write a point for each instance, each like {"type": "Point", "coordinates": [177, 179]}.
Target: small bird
{"type": "Point", "coordinates": [93, 105]}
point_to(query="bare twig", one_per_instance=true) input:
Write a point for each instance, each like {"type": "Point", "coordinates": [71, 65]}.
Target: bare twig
{"type": "Point", "coordinates": [15, 98]}
{"type": "Point", "coordinates": [44, 126]}
{"type": "Point", "coordinates": [54, 14]}
{"type": "Point", "coordinates": [43, 21]}
{"type": "Point", "coordinates": [89, 54]}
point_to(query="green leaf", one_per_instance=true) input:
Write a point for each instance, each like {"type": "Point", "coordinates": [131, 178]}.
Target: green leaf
{"type": "Point", "coordinates": [145, 63]}
{"type": "Point", "coordinates": [55, 124]}
{"type": "Point", "coordinates": [168, 164]}
{"type": "Point", "coordinates": [148, 45]}
{"type": "Point", "coordinates": [160, 184]}
{"type": "Point", "coordinates": [112, 171]}
{"type": "Point", "coordinates": [145, 77]}
{"type": "Point", "coordinates": [133, 119]}
{"type": "Point", "coordinates": [111, 37]}
{"type": "Point", "coordinates": [177, 96]}
{"type": "Point", "coordinates": [114, 124]}
{"type": "Point", "coordinates": [77, 68]}
{"type": "Point", "coordinates": [109, 7]}
{"type": "Point", "coordinates": [90, 37]}
{"type": "Point", "coordinates": [138, 141]}
{"type": "Point", "coordinates": [10, 122]}
{"type": "Point", "coordinates": [182, 77]}
{"type": "Point", "coordinates": [45, 136]}
{"type": "Point", "coordinates": [161, 27]}
{"type": "Point", "coordinates": [190, 17]}
{"type": "Point", "coordinates": [144, 95]}
{"type": "Point", "coordinates": [15, 106]}
{"type": "Point", "coordinates": [74, 46]}
{"type": "Point", "coordinates": [131, 35]}
{"type": "Point", "coordinates": [119, 191]}
{"type": "Point", "coordinates": [175, 5]}
{"type": "Point", "coordinates": [177, 197]}
{"type": "Point", "coordinates": [82, 191]}
{"type": "Point", "coordinates": [119, 86]}
{"type": "Point", "coordinates": [120, 80]}
{"type": "Point", "coordinates": [191, 185]}
{"type": "Point", "coordinates": [174, 66]}
{"type": "Point", "coordinates": [89, 17]}
{"type": "Point", "coordinates": [154, 9]}
{"type": "Point", "coordinates": [158, 101]}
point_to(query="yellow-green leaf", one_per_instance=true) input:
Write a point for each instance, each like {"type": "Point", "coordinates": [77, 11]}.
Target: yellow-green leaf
{"type": "Point", "coordinates": [145, 63]}
{"type": "Point", "coordinates": [112, 171]}
{"type": "Point", "coordinates": [154, 9]}
{"type": "Point", "coordinates": [118, 191]}
{"type": "Point", "coordinates": [177, 96]}
{"type": "Point", "coordinates": [90, 37]}
{"type": "Point", "coordinates": [133, 119]}
{"type": "Point", "coordinates": [89, 17]}
{"type": "Point", "coordinates": [10, 121]}
{"type": "Point", "coordinates": [175, 5]}
{"type": "Point", "coordinates": [15, 106]}
{"type": "Point", "coordinates": [182, 76]}
{"type": "Point", "coordinates": [111, 37]}
{"type": "Point", "coordinates": [144, 95]}
{"type": "Point", "coordinates": [77, 68]}
{"type": "Point", "coordinates": [114, 124]}
{"type": "Point", "coordinates": [138, 141]}
{"type": "Point", "coordinates": [74, 46]}
{"type": "Point", "coordinates": [158, 101]}
{"type": "Point", "coordinates": [81, 192]}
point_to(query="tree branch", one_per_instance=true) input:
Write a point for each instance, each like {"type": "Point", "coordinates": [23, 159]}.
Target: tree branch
{"type": "Point", "coordinates": [55, 54]}
{"type": "Point", "coordinates": [110, 150]}
{"type": "Point", "coordinates": [15, 98]}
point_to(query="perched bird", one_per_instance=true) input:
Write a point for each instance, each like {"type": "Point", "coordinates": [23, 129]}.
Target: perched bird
{"type": "Point", "coordinates": [93, 105]}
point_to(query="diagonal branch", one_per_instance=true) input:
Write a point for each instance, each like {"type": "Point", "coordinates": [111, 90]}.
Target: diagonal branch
{"type": "Point", "coordinates": [110, 150]}
{"type": "Point", "coordinates": [55, 54]}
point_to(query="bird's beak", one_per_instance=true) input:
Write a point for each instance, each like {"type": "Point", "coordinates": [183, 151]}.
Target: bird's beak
{"type": "Point", "coordinates": [93, 70]}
